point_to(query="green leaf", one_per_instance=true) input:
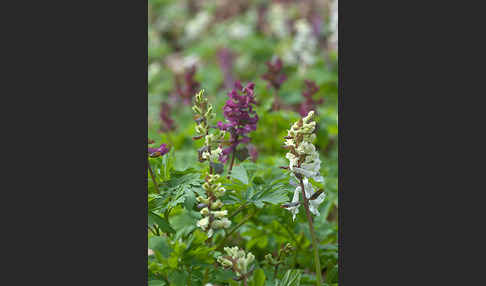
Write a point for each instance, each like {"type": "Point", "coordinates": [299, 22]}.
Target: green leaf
{"type": "Point", "coordinates": [184, 223]}
{"type": "Point", "coordinates": [291, 278]}
{"type": "Point", "coordinates": [159, 243]}
{"type": "Point", "coordinates": [157, 283]}
{"type": "Point", "coordinates": [257, 180]}
{"type": "Point", "coordinates": [259, 277]}
{"type": "Point", "coordinates": [276, 194]}
{"type": "Point", "coordinates": [160, 221]}
{"type": "Point", "coordinates": [240, 174]}
{"type": "Point", "coordinates": [177, 278]}
{"type": "Point", "coordinates": [332, 274]}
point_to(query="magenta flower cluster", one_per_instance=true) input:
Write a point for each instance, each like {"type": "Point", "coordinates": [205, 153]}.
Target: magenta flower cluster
{"type": "Point", "coordinates": [167, 122]}
{"type": "Point", "coordinates": [275, 76]}
{"type": "Point", "coordinates": [188, 87]}
{"type": "Point", "coordinates": [240, 116]}
{"type": "Point", "coordinates": [309, 103]}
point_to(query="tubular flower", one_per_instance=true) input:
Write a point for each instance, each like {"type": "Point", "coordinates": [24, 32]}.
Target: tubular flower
{"type": "Point", "coordinates": [275, 75]}
{"type": "Point", "coordinates": [240, 116]}
{"type": "Point", "coordinates": [226, 59]}
{"type": "Point", "coordinates": [303, 47]}
{"type": "Point", "coordinates": [189, 86]}
{"type": "Point", "coordinates": [167, 122]}
{"type": "Point", "coordinates": [157, 152]}
{"type": "Point", "coordinates": [203, 114]}
{"type": "Point", "coordinates": [236, 259]}
{"type": "Point", "coordinates": [213, 217]}
{"type": "Point", "coordinates": [309, 103]}
{"type": "Point", "coordinates": [304, 162]}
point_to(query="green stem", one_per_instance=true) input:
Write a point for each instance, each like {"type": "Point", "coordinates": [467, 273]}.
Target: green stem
{"type": "Point", "coordinates": [221, 244]}
{"type": "Point", "coordinates": [232, 158]}
{"type": "Point", "coordinates": [242, 207]}
{"type": "Point", "coordinates": [315, 246]}
{"type": "Point", "coordinates": [151, 230]}
{"type": "Point", "coordinates": [153, 178]}
{"type": "Point", "coordinates": [205, 277]}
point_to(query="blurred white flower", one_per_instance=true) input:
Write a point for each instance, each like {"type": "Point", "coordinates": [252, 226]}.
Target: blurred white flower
{"type": "Point", "coordinates": [333, 24]}
{"type": "Point", "coordinates": [197, 25]}
{"type": "Point", "coordinates": [277, 19]}
{"type": "Point", "coordinates": [304, 45]}
{"type": "Point", "coordinates": [239, 30]}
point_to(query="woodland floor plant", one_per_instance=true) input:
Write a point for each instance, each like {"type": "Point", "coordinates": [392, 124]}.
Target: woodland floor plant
{"type": "Point", "coordinates": [187, 243]}
{"type": "Point", "coordinates": [230, 83]}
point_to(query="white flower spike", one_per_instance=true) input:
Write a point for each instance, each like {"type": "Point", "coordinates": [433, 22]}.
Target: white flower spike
{"type": "Point", "coordinates": [304, 162]}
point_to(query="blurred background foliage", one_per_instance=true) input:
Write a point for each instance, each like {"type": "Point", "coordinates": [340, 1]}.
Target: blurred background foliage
{"type": "Point", "coordinates": [208, 45]}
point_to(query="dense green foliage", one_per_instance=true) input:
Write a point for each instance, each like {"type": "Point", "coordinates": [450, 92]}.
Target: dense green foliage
{"type": "Point", "coordinates": [180, 253]}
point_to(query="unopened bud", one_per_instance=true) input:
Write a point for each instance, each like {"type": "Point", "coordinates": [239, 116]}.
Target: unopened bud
{"type": "Point", "coordinates": [204, 211]}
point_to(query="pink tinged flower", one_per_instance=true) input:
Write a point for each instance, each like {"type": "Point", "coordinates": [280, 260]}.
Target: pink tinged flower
{"type": "Point", "coordinates": [157, 152]}
{"type": "Point", "coordinates": [253, 151]}
{"type": "Point", "coordinates": [189, 87]}
{"type": "Point", "coordinates": [309, 103]}
{"type": "Point", "coordinates": [274, 76]}
{"type": "Point", "coordinates": [240, 117]}
{"type": "Point", "coordinates": [167, 122]}
{"type": "Point", "coordinates": [226, 59]}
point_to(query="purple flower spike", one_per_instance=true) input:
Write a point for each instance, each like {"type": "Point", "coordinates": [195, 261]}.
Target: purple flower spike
{"type": "Point", "coordinates": [226, 59]}
{"type": "Point", "coordinates": [253, 151]}
{"type": "Point", "coordinates": [274, 75]}
{"type": "Point", "coordinates": [309, 103]}
{"type": "Point", "coordinates": [240, 116]}
{"type": "Point", "coordinates": [157, 152]}
{"type": "Point", "coordinates": [189, 87]}
{"type": "Point", "coordinates": [167, 122]}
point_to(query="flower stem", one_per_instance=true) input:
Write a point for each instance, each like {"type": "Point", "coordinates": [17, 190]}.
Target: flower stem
{"type": "Point", "coordinates": [315, 246]}
{"type": "Point", "coordinates": [221, 244]}
{"type": "Point", "coordinates": [244, 280]}
{"type": "Point", "coordinates": [232, 162]}
{"type": "Point", "coordinates": [153, 178]}
{"type": "Point", "coordinates": [232, 158]}
{"type": "Point", "coordinates": [242, 207]}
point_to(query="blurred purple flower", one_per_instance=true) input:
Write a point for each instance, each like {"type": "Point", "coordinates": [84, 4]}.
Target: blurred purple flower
{"type": "Point", "coordinates": [157, 152]}
{"type": "Point", "coordinates": [167, 122]}
{"type": "Point", "coordinates": [241, 119]}
{"type": "Point", "coordinates": [253, 151]}
{"type": "Point", "coordinates": [309, 103]}
{"type": "Point", "coordinates": [225, 59]}
{"type": "Point", "coordinates": [190, 86]}
{"type": "Point", "coordinates": [274, 75]}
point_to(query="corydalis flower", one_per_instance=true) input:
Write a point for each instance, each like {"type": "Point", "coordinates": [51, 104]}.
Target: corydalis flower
{"type": "Point", "coordinates": [274, 75]}
{"type": "Point", "coordinates": [315, 198]}
{"type": "Point", "coordinates": [236, 259]}
{"type": "Point", "coordinates": [167, 122]}
{"type": "Point", "coordinates": [304, 162]}
{"type": "Point", "coordinates": [203, 114]}
{"type": "Point", "coordinates": [213, 217]}
{"type": "Point", "coordinates": [187, 89]}
{"type": "Point", "coordinates": [240, 116]}
{"type": "Point", "coordinates": [157, 152]}
{"type": "Point", "coordinates": [303, 47]}
{"type": "Point", "coordinates": [225, 59]}
{"type": "Point", "coordinates": [253, 152]}
{"type": "Point", "coordinates": [309, 103]}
